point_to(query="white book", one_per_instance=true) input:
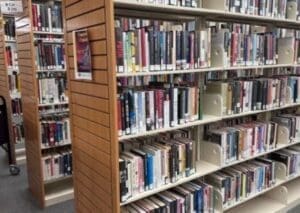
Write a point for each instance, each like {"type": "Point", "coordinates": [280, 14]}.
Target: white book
{"type": "Point", "coordinates": [135, 171]}
{"type": "Point", "coordinates": [49, 20]}
{"type": "Point", "coordinates": [166, 113]}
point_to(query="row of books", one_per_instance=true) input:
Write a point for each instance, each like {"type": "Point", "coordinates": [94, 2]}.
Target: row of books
{"type": "Point", "coordinates": [155, 161]}
{"type": "Point", "coordinates": [48, 38]}
{"type": "Point", "coordinates": [244, 140]}
{"type": "Point", "coordinates": [239, 46]}
{"type": "Point", "coordinates": [55, 132]}
{"type": "Point", "coordinates": [14, 82]}
{"type": "Point", "coordinates": [248, 139]}
{"type": "Point", "coordinates": [18, 133]}
{"type": "Point", "coordinates": [16, 106]}
{"type": "Point", "coordinates": [181, 3]}
{"type": "Point", "coordinates": [244, 180]}
{"type": "Point", "coordinates": [255, 94]}
{"type": "Point", "coordinates": [234, 183]}
{"type": "Point", "coordinates": [48, 111]}
{"type": "Point", "coordinates": [57, 164]}
{"type": "Point", "coordinates": [175, 154]}
{"type": "Point", "coordinates": [47, 17]}
{"type": "Point", "coordinates": [49, 56]}
{"type": "Point", "coordinates": [9, 28]}
{"type": "Point", "coordinates": [195, 196]}
{"type": "Point", "coordinates": [275, 8]}
{"type": "Point", "coordinates": [51, 90]}
{"type": "Point", "coordinates": [158, 105]}
{"type": "Point", "coordinates": [144, 45]}
{"type": "Point", "coordinates": [11, 56]}
{"type": "Point", "coordinates": [290, 157]}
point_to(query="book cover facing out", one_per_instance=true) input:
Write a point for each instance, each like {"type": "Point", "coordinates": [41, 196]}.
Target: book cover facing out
{"type": "Point", "coordinates": [82, 55]}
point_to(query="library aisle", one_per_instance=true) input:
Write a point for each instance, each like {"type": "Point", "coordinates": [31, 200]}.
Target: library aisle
{"type": "Point", "coordinates": [15, 196]}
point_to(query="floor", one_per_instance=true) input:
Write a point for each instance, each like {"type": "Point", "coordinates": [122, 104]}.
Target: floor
{"type": "Point", "coordinates": [15, 196]}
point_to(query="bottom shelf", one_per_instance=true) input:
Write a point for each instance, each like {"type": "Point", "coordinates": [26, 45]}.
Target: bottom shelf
{"type": "Point", "coordinates": [58, 192]}
{"type": "Point", "coordinates": [260, 204]}
{"type": "Point", "coordinates": [279, 200]}
{"type": "Point", "coordinates": [293, 198]}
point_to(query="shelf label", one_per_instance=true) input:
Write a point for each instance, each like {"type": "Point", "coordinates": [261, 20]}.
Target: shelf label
{"type": "Point", "coordinates": [11, 7]}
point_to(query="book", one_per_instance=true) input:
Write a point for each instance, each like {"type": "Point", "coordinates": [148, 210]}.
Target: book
{"type": "Point", "coordinates": [55, 132]}
{"type": "Point", "coordinates": [82, 55]}
{"type": "Point", "coordinates": [47, 17]}
{"type": "Point", "coordinates": [145, 45]}
{"type": "Point", "coordinates": [159, 161]}
{"type": "Point", "coordinates": [57, 164]}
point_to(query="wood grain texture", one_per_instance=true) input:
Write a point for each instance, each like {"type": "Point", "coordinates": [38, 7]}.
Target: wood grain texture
{"type": "Point", "coordinates": [93, 109]}
{"type": "Point", "coordinates": [5, 92]}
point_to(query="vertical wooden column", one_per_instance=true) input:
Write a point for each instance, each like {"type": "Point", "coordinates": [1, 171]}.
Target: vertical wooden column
{"type": "Point", "coordinates": [30, 102]}
{"type": "Point", "coordinates": [4, 89]}
{"type": "Point", "coordinates": [93, 109]}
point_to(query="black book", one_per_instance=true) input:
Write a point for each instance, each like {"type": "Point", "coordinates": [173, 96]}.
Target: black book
{"type": "Point", "coordinates": [255, 93]}
{"type": "Point", "coordinates": [127, 112]}
{"type": "Point", "coordinates": [264, 94]}
{"type": "Point", "coordinates": [184, 48]}
{"type": "Point", "coordinates": [156, 50]}
{"type": "Point", "coordinates": [123, 178]}
{"type": "Point", "coordinates": [151, 48]}
{"type": "Point", "coordinates": [182, 102]}
{"type": "Point", "coordinates": [259, 99]}
{"type": "Point", "coordinates": [179, 49]}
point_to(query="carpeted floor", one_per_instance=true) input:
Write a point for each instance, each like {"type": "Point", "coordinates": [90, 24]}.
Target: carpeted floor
{"type": "Point", "coordinates": [15, 196]}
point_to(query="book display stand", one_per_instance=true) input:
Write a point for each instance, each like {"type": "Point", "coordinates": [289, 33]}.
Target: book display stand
{"type": "Point", "coordinates": [11, 88]}
{"type": "Point", "coordinates": [40, 41]}
{"type": "Point", "coordinates": [97, 138]}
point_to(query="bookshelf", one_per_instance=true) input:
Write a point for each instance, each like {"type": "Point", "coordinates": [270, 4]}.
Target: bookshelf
{"type": "Point", "coordinates": [12, 91]}
{"type": "Point", "coordinates": [96, 142]}
{"type": "Point", "coordinates": [42, 67]}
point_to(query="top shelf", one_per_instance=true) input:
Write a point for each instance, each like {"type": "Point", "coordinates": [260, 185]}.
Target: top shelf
{"type": "Point", "coordinates": [47, 33]}
{"type": "Point", "coordinates": [127, 7]}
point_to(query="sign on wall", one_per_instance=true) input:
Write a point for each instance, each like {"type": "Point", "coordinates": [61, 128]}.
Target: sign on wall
{"type": "Point", "coordinates": [11, 7]}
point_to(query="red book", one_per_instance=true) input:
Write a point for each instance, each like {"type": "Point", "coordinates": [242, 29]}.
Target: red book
{"type": "Point", "coordinates": [159, 110]}
{"type": "Point", "coordinates": [192, 57]}
{"type": "Point", "coordinates": [34, 16]}
{"type": "Point", "coordinates": [233, 49]}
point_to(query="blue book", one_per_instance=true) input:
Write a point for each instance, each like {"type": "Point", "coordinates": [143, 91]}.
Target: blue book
{"type": "Point", "coordinates": [150, 171]}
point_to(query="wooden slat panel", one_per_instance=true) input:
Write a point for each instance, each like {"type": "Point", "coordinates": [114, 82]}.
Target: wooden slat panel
{"type": "Point", "coordinates": [92, 127]}
{"type": "Point", "coordinates": [95, 33]}
{"type": "Point", "coordinates": [83, 7]}
{"type": "Point", "coordinates": [91, 102]}
{"type": "Point", "coordinates": [97, 48]}
{"type": "Point", "coordinates": [86, 20]}
{"type": "Point", "coordinates": [70, 2]}
{"type": "Point", "coordinates": [29, 103]}
{"type": "Point", "coordinates": [105, 185]}
{"type": "Point", "coordinates": [92, 163]}
{"type": "Point", "coordinates": [91, 89]}
{"type": "Point", "coordinates": [92, 115]}
{"type": "Point", "coordinates": [101, 206]}
{"type": "Point", "coordinates": [99, 76]}
{"type": "Point", "coordinates": [92, 139]}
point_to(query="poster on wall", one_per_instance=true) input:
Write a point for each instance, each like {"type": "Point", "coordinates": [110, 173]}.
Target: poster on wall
{"type": "Point", "coordinates": [82, 55]}
{"type": "Point", "coordinates": [11, 7]}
